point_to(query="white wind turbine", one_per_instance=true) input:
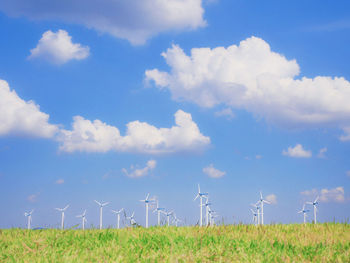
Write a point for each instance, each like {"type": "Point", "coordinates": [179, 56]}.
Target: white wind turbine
{"type": "Point", "coordinates": [118, 215]}
{"type": "Point", "coordinates": [207, 208]}
{"type": "Point", "coordinates": [201, 196]}
{"type": "Point", "coordinates": [304, 213]}
{"type": "Point", "coordinates": [168, 214]}
{"type": "Point", "coordinates": [158, 210]}
{"type": "Point", "coordinates": [176, 220]}
{"type": "Point", "coordinates": [29, 215]}
{"type": "Point", "coordinates": [314, 203]}
{"type": "Point", "coordinates": [257, 207]}
{"type": "Point", "coordinates": [255, 216]}
{"type": "Point", "coordinates": [83, 219]}
{"type": "Point", "coordinates": [213, 214]}
{"type": "Point", "coordinates": [132, 219]}
{"type": "Point", "coordinates": [262, 201]}
{"type": "Point", "coordinates": [147, 202]}
{"type": "Point", "coordinates": [62, 215]}
{"type": "Point", "coordinates": [101, 207]}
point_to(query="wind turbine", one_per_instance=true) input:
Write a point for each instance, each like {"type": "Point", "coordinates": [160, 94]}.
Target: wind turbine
{"type": "Point", "coordinates": [147, 202]}
{"type": "Point", "coordinates": [201, 196]}
{"type": "Point", "coordinates": [257, 207]}
{"type": "Point", "coordinates": [314, 203]}
{"type": "Point", "coordinates": [62, 215]}
{"type": "Point", "coordinates": [168, 214]}
{"type": "Point", "coordinates": [262, 201]}
{"type": "Point", "coordinates": [207, 208]}
{"type": "Point", "coordinates": [83, 218]}
{"type": "Point", "coordinates": [213, 214]}
{"type": "Point", "coordinates": [255, 216]}
{"type": "Point", "coordinates": [131, 218]}
{"type": "Point", "coordinates": [29, 215]}
{"type": "Point", "coordinates": [176, 220]}
{"type": "Point", "coordinates": [118, 215]}
{"type": "Point", "coordinates": [158, 210]}
{"type": "Point", "coordinates": [101, 207]}
{"type": "Point", "coordinates": [304, 213]}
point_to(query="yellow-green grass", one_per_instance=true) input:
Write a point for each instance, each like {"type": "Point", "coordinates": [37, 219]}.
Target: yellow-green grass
{"type": "Point", "coordinates": [245, 243]}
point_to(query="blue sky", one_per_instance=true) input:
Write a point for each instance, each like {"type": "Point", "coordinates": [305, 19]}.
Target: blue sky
{"type": "Point", "coordinates": [247, 96]}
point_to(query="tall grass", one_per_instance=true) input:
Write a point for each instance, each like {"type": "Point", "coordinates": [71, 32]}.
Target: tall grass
{"type": "Point", "coordinates": [246, 243]}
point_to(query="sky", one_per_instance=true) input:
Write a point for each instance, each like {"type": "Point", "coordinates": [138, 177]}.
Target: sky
{"type": "Point", "coordinates": [113, 100]}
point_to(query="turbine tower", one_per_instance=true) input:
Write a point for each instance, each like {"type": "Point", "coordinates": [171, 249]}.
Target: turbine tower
{"type": "Point", "coordinates": [118, 215]}
{"type": "Point", "coordinates": [62, 215]}
{"type": "Point", "coordinates": [158, 210]}
{"type": "Point", "coordinates": [314, 203]}
{"type": "Point", "coordinates": [176, 220]}
{"type": "Point", "coordinates": [201, 196]}
{"type": "Point", "coordinates": [147, 202]}
{"type": "Point", "coordinates": [304, 213]}
{"type": "Point", "coordinates": [101, 207]}
{"type": "Point", "coordinates": [262, 201]}
{"type": "Point", "coordinates": [168, 214]}
{"type": "Point", "coordinates": [83, 219]}
{"type": "Point", "coordinates": [29, 215]}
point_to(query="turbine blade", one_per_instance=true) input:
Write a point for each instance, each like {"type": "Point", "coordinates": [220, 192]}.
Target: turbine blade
{"type": "Point", "coordinates": [105, 204]}
{"type": "Point", "coordinates": [98, 203]}
{"type": "Point", "coordinates": [316, 199]}
{"type": "Point", "coordinates": [65, 207]}
{"type": "Point", "coordinates": [147, 196]}
{"type": "Point", "coordinates": [196, 197]}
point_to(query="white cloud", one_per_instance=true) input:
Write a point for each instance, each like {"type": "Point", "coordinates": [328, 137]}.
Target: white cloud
{"type": "Point", "coordinates": [140, 137]}
{"type": "Point", "coordinates": [252, 77]}
{"type": "Point", "coordinates": [272, 198]}
{"type": "Point", "coordinates": [346, 135]}
{"type": "Point", "coordinates": [297, 152]}
{"type": "Point", "coordinates": [59, 181]}
{"type": "Point", "coordinates": [133, 20]}
{"type": "Point", "coordinates": [19, 117]}
{"type": "Point", "coordinates": [135, 173]}
{"type": "Point", "coordinates": [58, 48]}
{"type": "Point", "coordinates": [322, 153]}
{"type": "Point", "coordinates": [326, 195]}
{"type": "Point", "coordinates": [227, 112]}
{"type": "Point", "coordinates": [213, 172]}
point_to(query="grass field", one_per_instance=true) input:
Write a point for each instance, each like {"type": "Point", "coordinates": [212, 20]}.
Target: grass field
{"type": "Point", "coordinates": [246, 243]}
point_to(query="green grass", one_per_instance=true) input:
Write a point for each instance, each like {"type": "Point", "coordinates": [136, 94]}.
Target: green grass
{"type": "Point", "coordinates": [245, 243]}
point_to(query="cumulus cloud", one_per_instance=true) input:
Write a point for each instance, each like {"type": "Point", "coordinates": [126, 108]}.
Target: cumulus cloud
{"type": "Point", "coordinates": [272, 198]}
{"type": "Point", "coordinates": [322, 153]}
{"type": "Point", "coordinates": [133, 20]}
{"type": "Point", "coordinates": [250, 76]}
{"type": "Point", "coordinates": [20, 117]}
{"type": "Point", "coordinates": [59, 181]}
{"type": "Point", "coordinates": [297, 152]}
{"type": "Point", "coordinates": [213, 172]}
{"type": "Point", "coordinates": [135, 173]}
{"type": "Point", "coordinates": [58, 48]}
{"type": "Point", "coordinates": [141, 137]}
{"type": "Point", "coordinates": [326, 195]}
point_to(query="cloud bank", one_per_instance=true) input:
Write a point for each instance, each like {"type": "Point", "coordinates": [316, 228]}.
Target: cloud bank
{"type": "Point", "coordinates": [133, 20]}
{"type": "Point", "coordinates": [250, 76]}
{"type": "Point", "coordinates": [326, 195]}
{"type": "Point", "coordinates": [140, 137]}
{"type": "Point", "coordinates": [58, 48]}
{"type": "Point", "coordinates": [20, 117]}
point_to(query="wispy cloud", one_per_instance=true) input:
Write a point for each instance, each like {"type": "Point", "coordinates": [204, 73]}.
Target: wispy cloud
{"type": "Point", "coordinates": [213, 172]}
{"type": "Point", "coordinates": [33, 198]}
{"type": "Point", "coordinates": [326, 195]}
{"type": "Point", "coordinates": [322, 153]}
{"type": "Point", "coordinates": [348, 173]}
{"type": "Point", "coordinates": [140, 172]}
{"type": "Point", "coordinates": [330, 27]}
{"type": "Point", "coordinates": [59, 181]}
{"type": "Point", "coordinates": [227, 112]}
